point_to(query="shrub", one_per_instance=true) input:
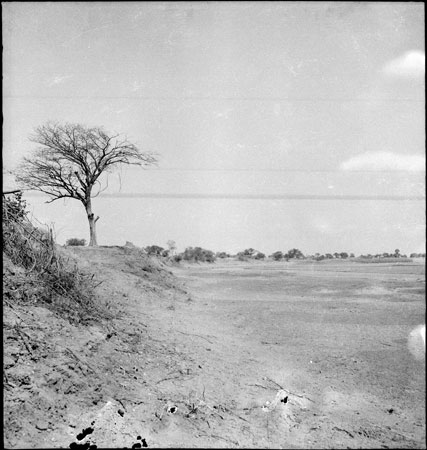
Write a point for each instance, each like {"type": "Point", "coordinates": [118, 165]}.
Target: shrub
{"type": "Point", "coordinates": [418, 255]}
{"type": "Point", "coordinates": [249, 253]}
{"type": "Point", "coordinates": [14, 208]}
{"type": "Point", "coordinates": [47, 276]}
{"type": "Point", "coordinates": [74, 242]}
{"type": "Point", "coordinates": [277, 256]}
{"type": "Point", "coordinates": [154, 250]}
{"type": "Point", "coordinates": [294, 253]}
{"type": "Point", "coordinates": [198, 254]}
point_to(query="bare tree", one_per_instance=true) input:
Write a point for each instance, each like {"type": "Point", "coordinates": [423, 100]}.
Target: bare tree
{"type": "Point", "coordinates": [71, 158]}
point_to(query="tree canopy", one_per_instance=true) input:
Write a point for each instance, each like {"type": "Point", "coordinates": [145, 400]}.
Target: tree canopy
{"type": "Point", "coordinates": [70, 159]}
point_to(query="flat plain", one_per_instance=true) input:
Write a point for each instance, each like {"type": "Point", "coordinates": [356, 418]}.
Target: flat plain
{"type": "Point", "coordinates": [336, 332]}
{"type": "Point", "coordinates": [231, 354]}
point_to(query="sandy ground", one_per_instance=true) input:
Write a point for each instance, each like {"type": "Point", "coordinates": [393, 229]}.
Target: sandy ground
{"type": "Point", "coordinates": [232, 354]}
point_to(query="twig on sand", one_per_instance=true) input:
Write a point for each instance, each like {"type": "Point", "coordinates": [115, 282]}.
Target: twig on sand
{"type": "Point", "coordinates": [203, 403]}
{"type": "Point", "coordinates": [79, 360]}
{"type": "Point", "coordinates": [198, 335]}
{"type": "Point", "coordinates": [168, 378]}
{"type": "Point", "coordinates": [289, 392]}
{"type": "Point", "coordinates": [234, 414]}
{"type": "Point", "coordinates": [24, 341]}
{"type": "Point", "coordinates": [261, 386]}
{"type": "Point", "coordinates": [9, 304]}
{"type": "Point", "coordinates": [344, 431]}
{"type": "Point", "coordinates": [215, 436]}
{"type": "Point", "coordinates": [274, 382]}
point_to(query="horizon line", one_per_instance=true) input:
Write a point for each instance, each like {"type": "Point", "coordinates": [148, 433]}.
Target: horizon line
{"type": "Point", "coordinates": [253, 196]}
{"type": "Point", "coordinates": [212, 98]}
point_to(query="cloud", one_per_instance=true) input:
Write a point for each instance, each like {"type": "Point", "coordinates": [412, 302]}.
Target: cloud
{"type": "Point", "coordinates": [385, 161]}
{"type": "Point", "coordinates": [409, 65]}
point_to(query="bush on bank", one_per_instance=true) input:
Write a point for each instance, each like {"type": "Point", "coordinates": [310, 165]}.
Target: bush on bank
{"type": "Point", "coordinates": [37, 272]}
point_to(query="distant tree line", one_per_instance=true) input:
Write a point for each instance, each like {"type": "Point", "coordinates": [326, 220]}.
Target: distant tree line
{"type": "Point", "coordinates": [199, 254]}
{"type": "Point", "coordinates": [336, 255]}
{"type": "Point", "coordinates": [417, 255]}
{"type": "Point", "coordinates": [291, 254]}
{"type": "Point", "coordinates": [250, 253]}
{"type": "Point", "coordinates": [196, 254]}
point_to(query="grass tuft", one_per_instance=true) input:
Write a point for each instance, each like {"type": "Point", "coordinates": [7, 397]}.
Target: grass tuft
{"type": "Point", "coordinates": [34, 271]}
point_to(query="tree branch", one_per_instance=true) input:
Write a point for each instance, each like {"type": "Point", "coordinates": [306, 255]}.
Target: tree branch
{"type": "Point", "coordinates": [70, 158]}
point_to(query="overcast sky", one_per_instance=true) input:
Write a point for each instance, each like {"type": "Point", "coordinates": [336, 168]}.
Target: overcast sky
{"type": "Point", "coordinates": [277, 124]}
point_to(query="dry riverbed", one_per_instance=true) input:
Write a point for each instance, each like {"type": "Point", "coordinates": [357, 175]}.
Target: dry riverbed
{"type": "Point", "coordinates": [232, 354]}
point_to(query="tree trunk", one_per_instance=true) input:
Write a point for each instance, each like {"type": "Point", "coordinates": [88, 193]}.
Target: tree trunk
{"type": "Point", "coordinates": [92, 224]}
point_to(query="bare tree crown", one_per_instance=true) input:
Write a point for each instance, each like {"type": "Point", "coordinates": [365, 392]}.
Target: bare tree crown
{"type": "Point", "coordinates": [70, 159]}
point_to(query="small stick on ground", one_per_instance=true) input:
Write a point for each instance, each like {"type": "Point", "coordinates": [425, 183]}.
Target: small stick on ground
{"type": "Point", "coordinates": [168, 378]}
{"type": "Point", "coordinates": [219, 437]}
{"type": "Point", "coordinates": [344, 431]}
{"type": "Point", "coordinates": [274, 382]}
{"type": "Point", "coordinates": [118, 399]}
{"type": "Point", "coordinates": [9, 304]}
{"type": "Point", "coordinates": [79, 360]}
{"type": "Point", "coordinates": [24, 341]}
{"type": "Point", "coordinates": [198, 335]}
{"type": "Point", "coordinates": [261, 386]}
{"type": "Point", "coordinates": [289, 392]}
{"type": "Point", "coordinates": [213, 410]}
{"type": "Point", "coordinates": [234, 414]}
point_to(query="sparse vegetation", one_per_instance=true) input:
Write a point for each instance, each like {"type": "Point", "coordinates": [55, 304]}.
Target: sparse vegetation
{"type": "Point", "coordinates": [417, 255]}
{"type": "Point", "coordinates": [222, 255]}
{"type": "Point", "coordinates": [198, 254]}
{"type": "Point", "coordinates": [250, 253]}
{"type": "Point", "coordinates": [76, 242]}
{"type": "Point", "coordinates": [155, 250]}
{"type": "Point", "coordinates": [36, 272]}
{"type": "Point", "coordinates": [294, 254]}
{"type": "Point", "coordinates": [177, 258]}
{"type": "Point", "coordinates": [277, 256]}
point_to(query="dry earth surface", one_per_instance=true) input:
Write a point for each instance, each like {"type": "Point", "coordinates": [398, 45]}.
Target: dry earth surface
{"type": "Point", "coordinates": [231, 354]}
